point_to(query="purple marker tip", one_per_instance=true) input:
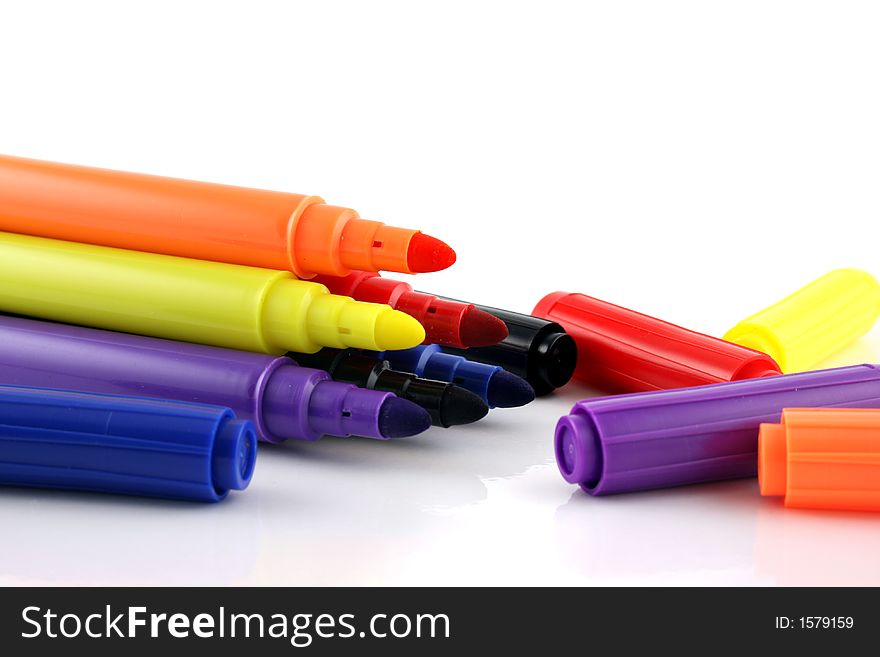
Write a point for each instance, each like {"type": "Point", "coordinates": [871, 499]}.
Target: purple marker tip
{"type": "Point", "coordinates": [401, 418]}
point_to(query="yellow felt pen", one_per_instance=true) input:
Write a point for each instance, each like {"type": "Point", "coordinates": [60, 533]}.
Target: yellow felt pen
{"type": "Point", "coordinates": [819, 319]}
{"type": "Point", "coordinates": [212, 303]}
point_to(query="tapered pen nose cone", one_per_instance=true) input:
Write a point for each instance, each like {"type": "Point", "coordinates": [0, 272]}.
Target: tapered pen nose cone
{"type": "Point", "coordinates": [480, 329]}
{"type": "Point", "coordinates": [427, 254]}
{"type": "Point", "coordinates": [507, 390]}
{"type": "Point", "coordinates": [460, 406]}
{"type": "Point", "coordinates": [397, 330]}
{"type": "Point", "coordinates": [400, 418]}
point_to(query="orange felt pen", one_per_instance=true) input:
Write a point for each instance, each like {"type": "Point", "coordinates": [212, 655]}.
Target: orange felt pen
{"type": "Point", "coordinates": [205, 221]}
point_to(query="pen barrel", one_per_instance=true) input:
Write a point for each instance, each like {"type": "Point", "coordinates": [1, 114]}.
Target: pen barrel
{"type": "Point", "coordinates": [126, 445]}
{"type": "Point", "coordinates": [674, 437]}
{"type": "Point", "coordinates": [816, 321]}
{"type": "Point", "coordinates": [176, 298]}
{"type": "Point", "coordinates": [135, 211]}
{"type": "Point", "coordinates": [536, 349]}
{"type": "Point", "coordinates": [621, 350]}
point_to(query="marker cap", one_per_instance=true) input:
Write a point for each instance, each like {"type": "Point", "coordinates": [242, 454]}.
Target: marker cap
{"type": "Point", "coordinates": [813, 323]}
{"type": "Point", "coordinates": [822, 458]}
{"type": "Point", "coordinates": [668, 438]}
{"type": "Point", "coordinates": [622, 350]}
{"type": "Point", "coordinates": [126, 445]}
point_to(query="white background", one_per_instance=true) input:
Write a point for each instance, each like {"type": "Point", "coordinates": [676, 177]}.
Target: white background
{"type": "Point", "coordinates": [693, 160]}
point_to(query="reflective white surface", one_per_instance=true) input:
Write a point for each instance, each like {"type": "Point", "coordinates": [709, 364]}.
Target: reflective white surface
{"type": "Point", "coordinates": [694, 161]}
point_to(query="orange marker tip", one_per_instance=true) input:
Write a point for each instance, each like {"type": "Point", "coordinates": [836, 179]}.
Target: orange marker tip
{"type": "Point", "coordinates": [480, 329]}
{"type": "Point", "coordinates": [426, 254]}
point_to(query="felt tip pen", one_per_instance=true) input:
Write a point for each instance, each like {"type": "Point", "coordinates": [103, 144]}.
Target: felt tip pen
{"type": "Point", "coordinates": [191, 300]}
{"type": "Point", "coordinates": [125, 445]}
{"type": "Point", "coordinates": [536, 349]}
{"type": "Point", "coordinates": [691, 435]}
{"type": "Point", "coordinates": [814, 322]}
{"type": "Point", "coordinates": [492, 383]}
{"type": "Point", "coordinates": [285, 402]}
{"type": "Point", "coordinates": [446, 322]}
{"type": "Point", "coordinates": [626, 351]}
{"type": "Point", "coordinates": [447, 404]}
{"type": "Point", "coordinates": [206, 221]}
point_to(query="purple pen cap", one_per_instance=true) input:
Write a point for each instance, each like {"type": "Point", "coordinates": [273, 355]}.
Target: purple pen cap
{"type": "Point", "coordinates": [666, 438]}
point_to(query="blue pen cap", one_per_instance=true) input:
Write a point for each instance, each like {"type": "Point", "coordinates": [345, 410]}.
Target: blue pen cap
{"type": "Point", "coordinates": [126, 445]}
{"type": "Point", "coordinates": [430, 362]}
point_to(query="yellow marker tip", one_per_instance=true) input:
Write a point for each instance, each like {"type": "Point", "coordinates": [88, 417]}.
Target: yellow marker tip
{"type": "Point", "coordinates": [397, 330]}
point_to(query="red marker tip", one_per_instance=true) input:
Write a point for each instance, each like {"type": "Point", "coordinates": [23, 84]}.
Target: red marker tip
{"type": "Point", "coordinates": [480, 329]}
{"type": "Point", "coordinates": [426, 254]}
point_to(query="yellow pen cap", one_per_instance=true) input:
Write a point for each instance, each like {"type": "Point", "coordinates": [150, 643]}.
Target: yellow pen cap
{"type": "Point", "coordinates": [813, 323]}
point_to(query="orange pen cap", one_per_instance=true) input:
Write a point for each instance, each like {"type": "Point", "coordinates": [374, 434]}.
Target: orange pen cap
{"type": "Point", "coordinates": [822, 458]}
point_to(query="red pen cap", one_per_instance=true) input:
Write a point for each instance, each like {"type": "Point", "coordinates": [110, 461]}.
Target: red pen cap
{"type": "Point", "coordinates": [621, 350]}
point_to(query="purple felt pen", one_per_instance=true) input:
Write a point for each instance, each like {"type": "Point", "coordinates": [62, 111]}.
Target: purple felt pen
{"type": "Point", "coordinates": [284, 401]}
{"type": "Point", "coordinates": [690, 435]}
